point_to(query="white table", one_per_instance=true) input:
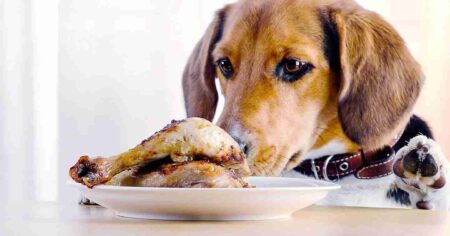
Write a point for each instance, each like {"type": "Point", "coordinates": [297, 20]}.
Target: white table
{"type": "Point", "coordinates": [65, 219]}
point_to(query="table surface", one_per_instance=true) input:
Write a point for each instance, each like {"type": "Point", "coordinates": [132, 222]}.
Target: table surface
{"type": "Point", "coordinates": [19, 218]}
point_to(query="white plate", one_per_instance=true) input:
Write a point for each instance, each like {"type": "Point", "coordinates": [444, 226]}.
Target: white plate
{"type": "Point", "coordinates": [273, 198]}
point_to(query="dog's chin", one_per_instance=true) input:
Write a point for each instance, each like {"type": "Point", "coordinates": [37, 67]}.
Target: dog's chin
{"type": "Point", "coordinates": [295, 160]}
{"type": "Point", "coordinates": [258, 170]}
{"type": "Point", "coordinates": [268, 162]}
{"type": "Point", "coordinates": [269, 167]}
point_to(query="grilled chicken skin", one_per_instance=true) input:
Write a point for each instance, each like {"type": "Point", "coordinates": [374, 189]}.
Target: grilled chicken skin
{"type": "Point", "coordinates": [182, 141]}
{"type": "Point", "coordinates": [195, 174]}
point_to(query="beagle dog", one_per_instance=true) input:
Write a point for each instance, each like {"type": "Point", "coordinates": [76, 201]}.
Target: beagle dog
{"type": "Point", "coordinates": [320, 89]}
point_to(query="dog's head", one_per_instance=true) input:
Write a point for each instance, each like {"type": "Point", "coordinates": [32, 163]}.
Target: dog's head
{"type": "Point", "coordinates": [299, 75]}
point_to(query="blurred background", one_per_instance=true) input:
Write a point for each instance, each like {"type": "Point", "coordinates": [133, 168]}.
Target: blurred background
{"type": "Point", "coordinates": [98, 76]}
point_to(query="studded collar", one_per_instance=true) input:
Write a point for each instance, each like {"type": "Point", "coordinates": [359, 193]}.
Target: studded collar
{"type": "Point", "coordinates": [335, 167]}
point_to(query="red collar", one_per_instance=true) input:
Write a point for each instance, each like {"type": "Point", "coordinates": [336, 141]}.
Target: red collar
{"type": "Point", "coordinates": [338, 166]}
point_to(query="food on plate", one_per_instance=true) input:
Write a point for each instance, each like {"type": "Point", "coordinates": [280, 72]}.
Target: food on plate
{"type": "Point", "coordinates": [194, 174]}
{"type": "Point", "coordinates": [186, 153]}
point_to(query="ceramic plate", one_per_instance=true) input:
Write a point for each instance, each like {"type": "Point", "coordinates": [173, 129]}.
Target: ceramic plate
{"type": "Point", "coordinates": [272, 198]}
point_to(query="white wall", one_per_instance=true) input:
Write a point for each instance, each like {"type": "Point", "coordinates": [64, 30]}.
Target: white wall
{"type": "Point", "coordinates": [15, 100]}
{"type": "Point", "coordinates": [28, 99]}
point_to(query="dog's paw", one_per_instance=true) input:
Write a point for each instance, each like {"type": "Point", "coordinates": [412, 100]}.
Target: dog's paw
{"type": "Point", "coordinates": [421, 171]}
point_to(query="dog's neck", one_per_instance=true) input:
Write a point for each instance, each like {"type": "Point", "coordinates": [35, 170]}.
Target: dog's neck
{"type": "Point", "coordinates": [332, 141]}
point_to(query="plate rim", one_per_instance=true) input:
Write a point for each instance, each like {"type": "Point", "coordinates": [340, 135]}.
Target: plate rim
{"type": "Point", "coordinates": [324, 186]}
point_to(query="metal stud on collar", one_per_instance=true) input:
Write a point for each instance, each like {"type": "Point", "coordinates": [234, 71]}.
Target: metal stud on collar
{"type": "Point", "coordinates": [343, 166]}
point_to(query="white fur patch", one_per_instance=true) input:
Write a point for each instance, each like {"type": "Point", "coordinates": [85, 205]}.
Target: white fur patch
{"type": "Point", "coordinates": [331, 148]}
{"type": "Point", "coordinates": [357, 192]}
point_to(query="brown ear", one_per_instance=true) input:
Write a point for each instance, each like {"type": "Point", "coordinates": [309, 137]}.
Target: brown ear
{"type": "Point", "coordinates": [199, 89]}
{"type": "Point", "coordinates": [380, 80]}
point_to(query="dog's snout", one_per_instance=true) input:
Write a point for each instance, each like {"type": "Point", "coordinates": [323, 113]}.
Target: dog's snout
{"type": "Point", "coordinates": [428, 166]}
{"type": "Point", "coordinates": [242, 144]}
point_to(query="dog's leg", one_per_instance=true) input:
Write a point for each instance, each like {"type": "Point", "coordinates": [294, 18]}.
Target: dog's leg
{"type": "Point", "coordinates": [421, 170]}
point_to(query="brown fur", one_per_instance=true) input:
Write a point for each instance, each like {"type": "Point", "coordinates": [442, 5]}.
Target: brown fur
{"type": "Point", "coordinates": [362, 100]}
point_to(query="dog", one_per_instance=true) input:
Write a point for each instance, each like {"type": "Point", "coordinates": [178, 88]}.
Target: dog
{"type": "Point", "coordinates": [320, 89]}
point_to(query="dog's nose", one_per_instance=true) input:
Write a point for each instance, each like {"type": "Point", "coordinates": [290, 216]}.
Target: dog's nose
{"type": "Point", "coordinates": [411, 162]}
{"type": "Point", "coordinates": [428, 167]}
{"type": "Point", "coordinates": [242, 144]}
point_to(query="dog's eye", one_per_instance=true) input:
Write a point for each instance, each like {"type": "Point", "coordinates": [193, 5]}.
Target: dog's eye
{"type": "Point", "coordinates": [225, 67]}
{"type": "Point", "coordinates": [291, 69]}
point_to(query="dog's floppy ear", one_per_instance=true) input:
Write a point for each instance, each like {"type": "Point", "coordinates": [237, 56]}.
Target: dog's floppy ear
{"type": "Point", "coordinates": [199, 89]}
{"type": "Point", "coordinates": [379, 79]}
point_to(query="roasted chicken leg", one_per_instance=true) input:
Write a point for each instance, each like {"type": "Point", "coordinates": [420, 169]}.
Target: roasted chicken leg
{"type": "Point", "coordinates": [182, 141]}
